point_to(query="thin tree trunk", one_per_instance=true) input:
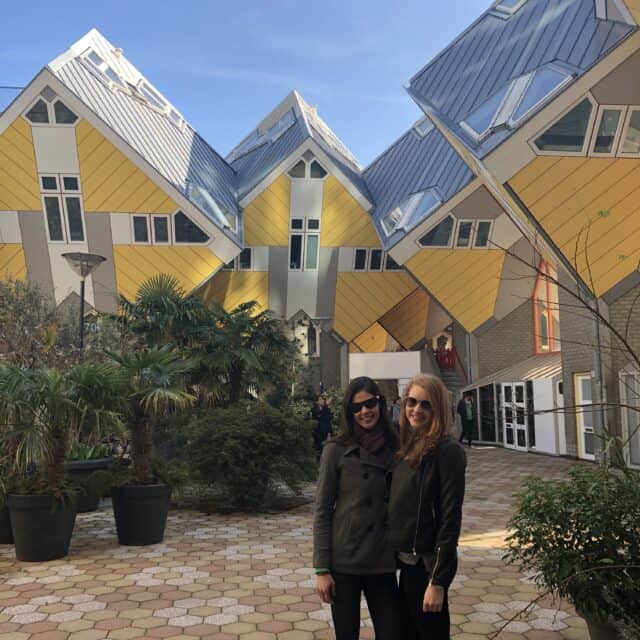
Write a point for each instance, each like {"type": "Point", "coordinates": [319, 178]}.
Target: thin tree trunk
{"type": "Point", "coordinates": [54, 472]}
{"type": "Point", "coordinates": [141, 448]}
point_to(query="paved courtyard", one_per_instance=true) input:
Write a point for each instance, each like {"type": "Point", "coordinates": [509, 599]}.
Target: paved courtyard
{"type": "Point", "coordinates": [249, 576]}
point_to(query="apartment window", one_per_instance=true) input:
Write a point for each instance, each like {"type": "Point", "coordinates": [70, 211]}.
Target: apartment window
{"type": "Point", "coordinates": [63, 114]}
{"type": "Point", "coordinates": [568, 135]}
{"type": "Point", "coordinates": [423, 127]}
{"type": "Point", "coordinates": [375, 260]}
{"type": "Point", "coordinates": [63, 208]}
{"type": "Point", "coordinates": [541, 85]}
{"type": "Point", "coordinates": [316, 170]}
{"type": "Point", "coordinates": [44, 113]}
{"type": "Point", "coordinates": [631, 138]}
{"type": "Point", "coordinates": [483, 232]}
{"type": "Point", "coordinates": [360, 260]}
{"type": "Point", "coordinates": [186, 231]}
{"type": "Point", "coordinates": [309, 169]}
{"type": "Point", "coordinates": [585, 422]}
{"type": "Point", "coordinates": [604, 142]}
{"type": "Point", "coordinates": [39, 113]}
{"type": "Point", "coordinates": [140, 229]}
{"type": "Point", "coordinates": [546, 310]}
{"type": "Point", "coordinates": [304, 244]}
{"type": "Point", "coordinates": [440, 235]}
{"type": "Point", "coordinates": [312, 342]}
{"type": "Point", "coordinates": [508, 7]}
{"type": "Point", "coordinates": [390, 264]}
{"type": "Point", "coordinates": [630, 399]}
{"type": "Point", "coordinates": [160, 229]}
{"type": "Point", "coordinates": [242, 262]}
{"type": "Point", "coordinates": [465, 231]}
{"type": "Point", "coordinates": [413, 209]}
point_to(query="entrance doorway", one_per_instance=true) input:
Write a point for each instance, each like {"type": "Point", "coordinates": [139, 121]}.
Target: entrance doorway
{"type": "Point", "coordinates": [514, 416]}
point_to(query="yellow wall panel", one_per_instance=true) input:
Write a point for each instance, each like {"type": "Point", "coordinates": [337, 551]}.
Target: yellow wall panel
{"type": "Point", "coordinates": [12, 261]}
{"type": "Point", "coordinates": [231, 288]}
{"type": "Point", "coordinates": [407, 322]}
{"type": "Point", "coordinates": [111, 182]}
{"type": "Point", "coordinates": [19, 187]}
{"type": "Point", "coordinates": [591, 211]}
{"type": "Point", "coordinates": [266, 218]}
{"type": "Point", "coordinates": [363, 298]}
{"type": "Point", "coordinates": [464, 281]}
{"type": "Point", "coordinates": [136, 263]}
{"type": "Point", "coordinates": [344, 222]}
{"type": "Point", "coordinates": [634, 9]}
{"type": "Point", "coordinates": [372, 340]}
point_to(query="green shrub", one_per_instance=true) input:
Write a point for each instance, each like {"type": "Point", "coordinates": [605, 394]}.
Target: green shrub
{"type": "Point", "coordinates": [246, 448]}
{"type": "Point", "coordinates": [581, 539]}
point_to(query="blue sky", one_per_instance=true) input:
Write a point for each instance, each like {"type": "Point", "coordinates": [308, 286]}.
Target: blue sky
{"type": "Point", "coordinates": [225, 65]}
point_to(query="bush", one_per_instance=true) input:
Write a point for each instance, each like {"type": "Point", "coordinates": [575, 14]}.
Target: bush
{"type": "Point", "coordinates": [248, 447]}
{"type": "Point", "coordinates": [581, 538]}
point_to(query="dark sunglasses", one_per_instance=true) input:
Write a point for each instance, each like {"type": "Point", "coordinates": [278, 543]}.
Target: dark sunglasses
{"type": "Point", "coordinates": [356, 407]}
{"type": "Point", "coordinates": [425, 405]}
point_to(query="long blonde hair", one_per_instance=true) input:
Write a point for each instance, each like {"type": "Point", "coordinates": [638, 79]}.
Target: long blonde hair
{"type": "Point", "coordinates": [416, 444]}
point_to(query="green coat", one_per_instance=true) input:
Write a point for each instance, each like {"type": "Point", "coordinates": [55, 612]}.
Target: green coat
{"type": "Point", "coordinates": [350, 522]}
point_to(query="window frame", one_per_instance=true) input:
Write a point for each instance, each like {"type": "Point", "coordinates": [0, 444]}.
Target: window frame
{"type": "Point", "coordinates": [479, 138]}
{"type": "Point", "coordinates": [631, 109]}
{"type": "Point", "coordinates": [37, 99]}
{"type": "Point", "coordinates": [618, 134]}
{"type": "Point", "coordinates": [204, 243]}
{"type": "Point", "coordinates": [152, 236]}
{"type": "Point", "coordinates": [370, 258]}
{"type": "Point", "coordinates": [475, 233]}
{"type": "Point", "coordinates": [133, 229]}
{"type": "Point", "coordinates": [250, 268]}
{"type": "Point", "coordinates": [625, 400]}
{"type": "Point", "coordinates": [453, 234]}
{"type": "Point", "coordinates": [366, 259]}
{"type": "Point", "coordinates": [472, 233]}
{"type": "Point", "coordinates": [62, 194]}
{"type": "Point", "coordinates": [507, 11]}
{"type": "Point", "coordinates": [579, 402]}
{"type": "Point", "coordinates": [52, 111]}
{"type": "Point", "coordinates": [100, 71]}
{"type": "Point", "coordinates": [587, 138]}
{"type": "Point", "coordinates": [307, 169]}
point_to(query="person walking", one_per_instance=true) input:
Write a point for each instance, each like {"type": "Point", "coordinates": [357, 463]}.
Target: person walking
{"type": "Point", "coordinates": [351, 555]}
{"type": "Point", "coordinates": [396, 409]}
{"type": "Point", "coordinates": [468, 415]}
{"type": "Point", "coordinates": [425, 507]}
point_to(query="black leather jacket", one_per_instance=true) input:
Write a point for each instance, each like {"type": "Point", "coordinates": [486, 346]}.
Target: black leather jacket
{"type": "Point", "coordinates": [425, 509]}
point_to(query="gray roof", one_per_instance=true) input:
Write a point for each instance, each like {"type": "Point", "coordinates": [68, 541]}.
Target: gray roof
{"type": "Point", "coordinates": [534, 368]}
{"type": "Point", "coordinates": [494, 50]}
{"type": "Point", "coordinates": [179, 154]}
{"type": "Point", "coordinates": [413, 164]}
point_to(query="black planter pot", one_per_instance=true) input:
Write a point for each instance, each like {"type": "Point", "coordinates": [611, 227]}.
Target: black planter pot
{"type": "Point", "coordinates": [79, 471]}
{"type": "Point", "coordinates": [6, 535]}
{"type": "Point", "coordinates": [141, 513]}
{"type": "Point", "coordinates": [599, 630]}
{"type": "Point", "coordinates": [41, 529]}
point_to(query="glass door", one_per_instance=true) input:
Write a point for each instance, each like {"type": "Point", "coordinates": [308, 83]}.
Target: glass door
{"type": "Point", "coordinates": [514, 416]}
{"type": "Point", "coordinates": [584, 416]}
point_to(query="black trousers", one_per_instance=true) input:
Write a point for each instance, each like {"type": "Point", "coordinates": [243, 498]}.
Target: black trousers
{"type": "Point", "coordinates": [422, 626]}
{"type": "Point", "coordinates": [467, 430]}
{"type": "Point", "coordinates": [383, 600]}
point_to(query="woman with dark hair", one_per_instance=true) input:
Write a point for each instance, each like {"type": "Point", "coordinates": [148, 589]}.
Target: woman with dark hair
{"type": "Point", "coordinates": [350, 552]}
{"type": "Point", "coordinates": [425, 506]}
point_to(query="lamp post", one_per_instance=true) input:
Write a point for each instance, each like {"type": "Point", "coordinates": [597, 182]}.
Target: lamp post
{"type": "Point", "coordinates": [83, 264]}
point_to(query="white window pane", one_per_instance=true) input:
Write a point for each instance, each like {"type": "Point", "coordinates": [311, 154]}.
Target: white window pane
{"type": "Point", "coordinates": [187, 231]}
{"type": "Point", "coordinates": [568, 134]}
{"type": "Point", "coordinates": [607, 130]}
{"type": "Point", "coordinates": [585, 390]}
{"type": "Point", "coordinates": [54, 219]}
{"type": "Point", "coordinates": [632, 138]}
{"type": "Point", "coordinates": [311, 261]}
{"type": "Point", "coordinates": [140, 229]}
{"type": "Point", "coordinates": [313, 224]}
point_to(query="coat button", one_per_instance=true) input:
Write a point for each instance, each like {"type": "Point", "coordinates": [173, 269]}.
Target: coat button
{"type": "Point", "coordinates": [370, 529]}
{"type": "Point", "coordinates": [368, 502]}
{"type": "Point", "coordinates": [365, 475]}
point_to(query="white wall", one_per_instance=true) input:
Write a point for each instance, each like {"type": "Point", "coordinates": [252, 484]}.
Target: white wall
{"type": "Point", "coordinates": [385, 366]}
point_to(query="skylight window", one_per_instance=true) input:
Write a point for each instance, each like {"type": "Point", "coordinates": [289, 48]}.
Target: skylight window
{"type": "Point", "coordinates": [152, 96]}
{"type": "Point", "coordinates": [103, 70]}
{"type": "Point", "coordinates": [203, 199]}
{"type": "Point", "coordinates": [257, 138]}
{"type": "Point", "coordinates": [544, 83]}
{"type": "Point", "coordinates": [478, 122]}
{"type": "Point", "coordinates": [423, 127]}
{"type": "Point", "coordinates": [508, 7]}
{"type": "Point", "coordinates": [414, 209]}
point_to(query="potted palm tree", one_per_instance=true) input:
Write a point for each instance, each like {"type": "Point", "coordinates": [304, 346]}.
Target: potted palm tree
{"type": "Point", "coordinates": [37, 410]}
{"type": "Point", "coordinates": [153, 385]}
{"type": "Point", "coordinates": [580, 537]}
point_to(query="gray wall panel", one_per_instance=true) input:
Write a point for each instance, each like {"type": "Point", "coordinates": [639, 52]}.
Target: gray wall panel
{"type": "Point", "coordinates": [278, 276]}
{"type": "Point", "coordinates": [104, 277]}
{"type": "Point", "coordinates": [34, 242]}
{"type": "Point", "coordinates": [327, 280]}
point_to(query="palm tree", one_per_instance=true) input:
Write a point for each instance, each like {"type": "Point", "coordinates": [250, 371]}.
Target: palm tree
{"type": "Point", "coordinates": [152, 381]}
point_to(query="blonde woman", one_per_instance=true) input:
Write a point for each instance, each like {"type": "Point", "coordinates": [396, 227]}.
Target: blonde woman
{"type": "Point", "coordinates": [425, 506]}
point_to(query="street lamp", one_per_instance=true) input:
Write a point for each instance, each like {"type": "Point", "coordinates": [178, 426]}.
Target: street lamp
{"type": "Point", "coordinates": [83, 264]}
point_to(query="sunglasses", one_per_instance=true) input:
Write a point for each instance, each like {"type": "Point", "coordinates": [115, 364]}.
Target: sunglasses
{"type": "Point", "coordinates": [370, 403]}
{"type": "Point", "coordinates": [425, 405]}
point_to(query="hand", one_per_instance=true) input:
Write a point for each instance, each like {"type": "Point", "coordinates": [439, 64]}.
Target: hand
{"type": "Point", "coordinates": [433, 599]}
{"type": "Point", "coordinates": [326, 588]}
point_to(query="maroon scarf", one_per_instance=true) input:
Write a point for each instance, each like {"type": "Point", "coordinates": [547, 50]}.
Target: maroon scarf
{"type": "Point", "coordinates": [374, 441]}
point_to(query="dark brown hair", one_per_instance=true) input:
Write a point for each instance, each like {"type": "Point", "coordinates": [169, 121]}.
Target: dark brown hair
{"type": "Point", "coordinates": [347, 420]}
{"type": "Point", "coordinates": [416, 444]}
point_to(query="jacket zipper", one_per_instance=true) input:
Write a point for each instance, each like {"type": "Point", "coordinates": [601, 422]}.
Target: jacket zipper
{"type": "Point", "coordinates": [435, 566]}
{"type": "Point", "coordinates": [415, 537]}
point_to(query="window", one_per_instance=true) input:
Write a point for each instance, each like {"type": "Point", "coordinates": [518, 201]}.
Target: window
{"type": "Point", "coordinates": [63, 208]}
{"type": "Point", "coordinates": [479, 121]}
{"type": "Point", "coordinates": [311, 170]}
{"type": "Point", "coordinates": [160, 230]}
{"type": "Point", "coordinates": [39, 113]}
{"type": "Point", "coordinates": [312, 341]}
{"type": "Point", "coordinates": [360, 261]}
{"type": "Point", "coordinates": [375, 260]}
{"type": "Point", "coordinates": [186, 231]}
{"type": "Point", "coordinates": [423, 127]}
{"type": "Point", "coordinates": [413, 209]}
{"type": "Point", "coordinates": [631, 140]}
{"type": "Point", "coordinates": [568, 134]}
{"type": "Point", "coordinates": [100, 68]}
{"type": "Point", "coordinates": [546, 310]}
{"type": "Point", "coordinates": [229, 266]}
{"type": "Point", "coordinates": [630, 399]}
{"type": "Point", "coordinates": [606, 131]}
{"type": "Point", "coordinates": [483, 232]}
{"type": "Point", "coordinates": [584, 416]}
{"type": "Point", "coordinates": [205, 201]}
{"type": "Point", "coordinates": [152, 96]}
{"type": "Point", "coordinates": [141, 229]}
{"type": "Point", "coordinates": [541, 86]}
{"type": "Point", "coordinates": [316, 170]}
{"type": "Point", "coordinates": [391, 265]}
{"type": "Point", "coordinates": [439, 236]}
{"type": "Point", "coordinates": [244, 260]}
{"type": "Point", "coordinates": [508, 7]}
{"type": "Point", "coordinates": [304, 244]}
{"type": "Point", "coordinates": [63, 114]}
{"type": "Point", "coordinates": [465, 231]}
{"type": "Point", "coordinates": [613, 10]}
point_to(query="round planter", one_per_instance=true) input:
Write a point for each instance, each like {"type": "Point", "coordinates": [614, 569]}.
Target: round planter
{"type": "Point", "coordinates": [42, 529]}
{"type": "Point", "coordinates": [79, 471]}
{"type": "Point", "coordinates": [6, 535]}
{"type": "Point", "coordinates": [141, 513]}
{"type": "Point", "coordinates": [600, 631]}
